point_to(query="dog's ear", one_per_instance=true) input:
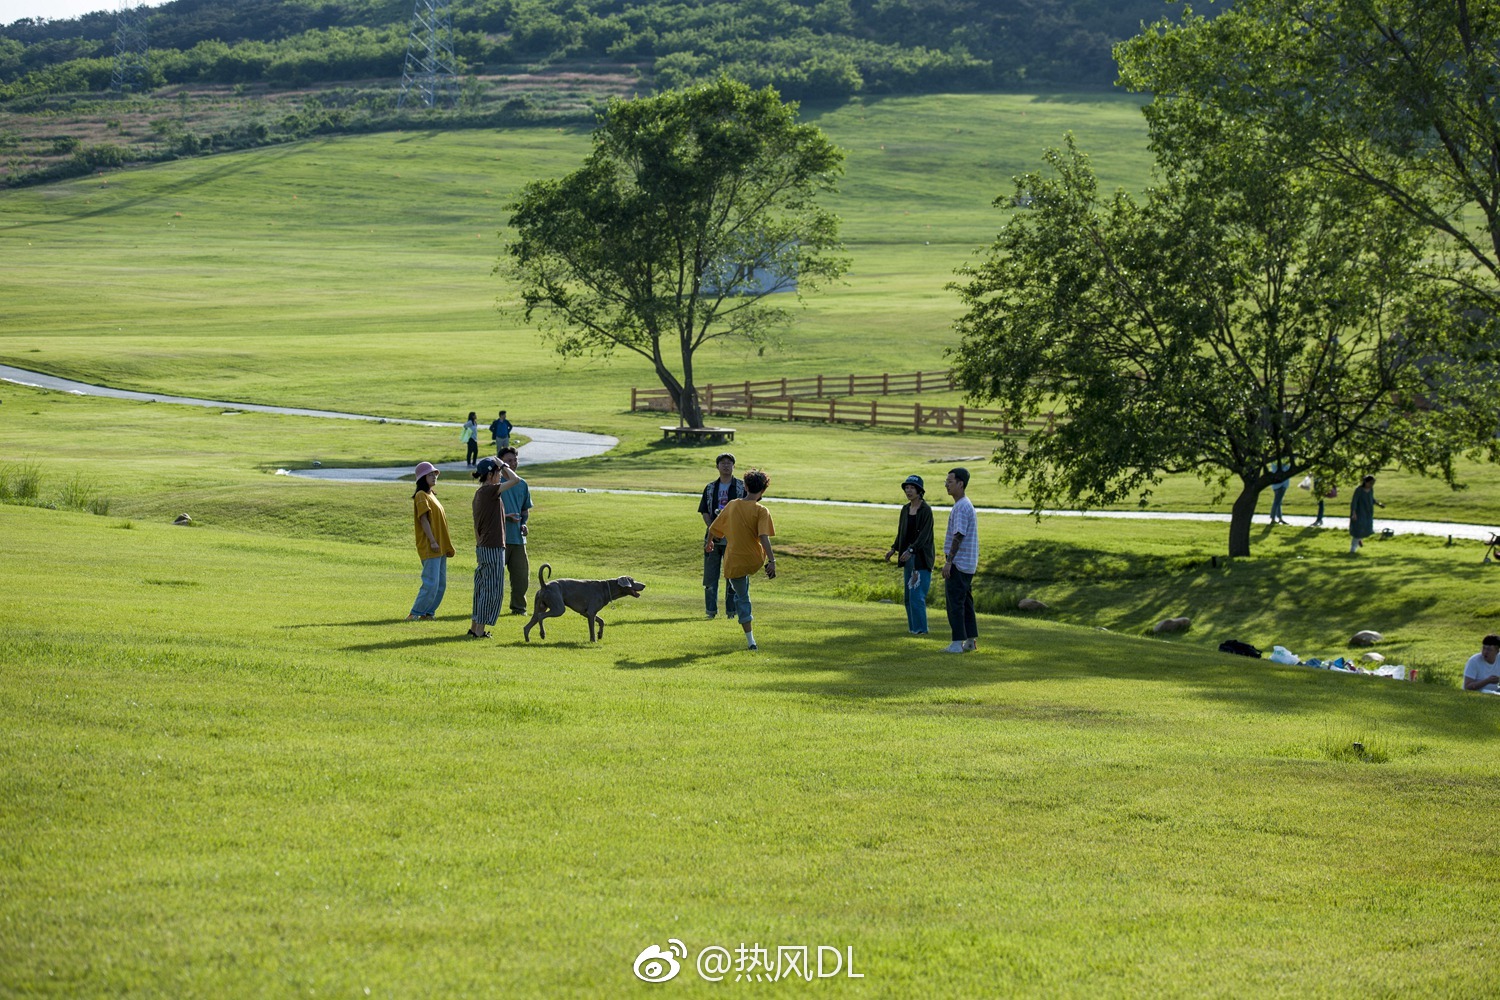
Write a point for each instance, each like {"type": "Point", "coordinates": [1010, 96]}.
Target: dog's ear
{"type": "Point", "coordinates": [625, 582]}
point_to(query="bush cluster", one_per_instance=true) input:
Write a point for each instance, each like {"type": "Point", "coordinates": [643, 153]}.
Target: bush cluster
{"type": "Point", "coordinates": [21, 483]}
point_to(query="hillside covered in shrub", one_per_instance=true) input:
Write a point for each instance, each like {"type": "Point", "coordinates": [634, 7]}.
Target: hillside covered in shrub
{"type": "Point", "coordinates": [806, 48]}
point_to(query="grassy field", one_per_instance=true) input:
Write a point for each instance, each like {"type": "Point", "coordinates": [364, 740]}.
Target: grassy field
{"type": "Point", "coordinates": [230, 768]}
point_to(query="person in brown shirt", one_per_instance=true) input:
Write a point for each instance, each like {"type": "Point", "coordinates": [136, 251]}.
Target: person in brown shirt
{"type": "Point", "coordinates": [495, 478]}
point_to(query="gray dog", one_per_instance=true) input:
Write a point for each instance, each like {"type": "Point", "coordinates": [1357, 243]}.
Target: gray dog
{"type": "Point", "coordinates": [586, 597]}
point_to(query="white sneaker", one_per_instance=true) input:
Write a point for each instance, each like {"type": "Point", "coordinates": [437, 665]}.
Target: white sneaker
{"type": "Point", "coordinates": [970, 645]}
{"type": "Point", "coordinates": [955, 647]}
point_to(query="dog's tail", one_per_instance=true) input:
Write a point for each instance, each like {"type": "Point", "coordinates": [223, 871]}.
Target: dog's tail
{"type": "Point", "coordinates": [540, 583]}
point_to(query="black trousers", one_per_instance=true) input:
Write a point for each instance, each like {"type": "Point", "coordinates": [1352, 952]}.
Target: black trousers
{"type": "Point", "coordinates": [958, 591]}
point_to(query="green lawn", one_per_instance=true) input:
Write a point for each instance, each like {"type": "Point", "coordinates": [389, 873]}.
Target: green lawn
{"type": "Point", "coordinates": [231, 769]}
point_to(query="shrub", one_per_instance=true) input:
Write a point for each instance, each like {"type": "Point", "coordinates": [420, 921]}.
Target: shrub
{"type": "Point", "coordinates": [20, 482]}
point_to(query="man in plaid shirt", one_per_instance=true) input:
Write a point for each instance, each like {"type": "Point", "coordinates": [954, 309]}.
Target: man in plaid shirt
{"type": "Point", "coordinates": [960, 563]}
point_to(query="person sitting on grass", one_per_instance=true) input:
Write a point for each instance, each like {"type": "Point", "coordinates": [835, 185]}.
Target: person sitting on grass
{"type": "Point", "coordinates": [1481, 672]}
{"type": "Point", "coordinates": [746, 527]}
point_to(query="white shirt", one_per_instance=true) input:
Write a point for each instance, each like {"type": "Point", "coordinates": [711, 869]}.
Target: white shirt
{"type": "Point", "coordinates": [1478, 667]}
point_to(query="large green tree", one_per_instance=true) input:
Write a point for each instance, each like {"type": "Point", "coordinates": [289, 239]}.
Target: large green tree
{"type": "Point", "coordinates": [692, 219]}
{"type": "Point", "coordinates": [1246, 310]}
{"type": "Point", "coordinates": [1396, 95]}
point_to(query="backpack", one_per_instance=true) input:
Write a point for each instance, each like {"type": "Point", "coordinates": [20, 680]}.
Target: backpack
{"type": "Point", "coordinates": [1238, 648]}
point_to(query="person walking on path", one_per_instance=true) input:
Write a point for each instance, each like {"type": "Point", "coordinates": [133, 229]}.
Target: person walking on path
{"type": "Point", "coordinates": [1481, 672]}
{"type": "Point", "coordinates": [716, 496]}
{"type": "Point", "coordinates": [496, 480]}
{"type": "Point", "coordinates": [470, 437]}
{"type": "Point", "coordinates": [517, 515]}
{"type": "Point", "coordinates": [1278, 490]}
{"type": "Point", "coordinates": [1362, 504]}
{"type": "Point", "coordinates": [1324, 494]}
{"type": "Point", "coordinates": [914, 546]}
{"type": "Point", "coordinates": [433, 545]}
{"type": "Point", "coordinates": [960, 563]}
{"type": "Point", "coordinates": [746, 528]}
{"type": "Point", "coordinates": [500, 429]}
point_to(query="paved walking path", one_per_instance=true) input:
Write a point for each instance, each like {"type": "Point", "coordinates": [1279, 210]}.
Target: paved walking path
{"type": "Point", "coordinates": [546, 445]}
{"type": "Point", "coordinates": [549, 445]}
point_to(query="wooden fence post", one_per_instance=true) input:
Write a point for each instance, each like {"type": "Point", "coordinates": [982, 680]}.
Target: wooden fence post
{"type": "Point", "coordinates": [960, 418]}
{"type": "Point", "coordinates": [916, 416]}
{"type": "Point", "coordinates": [632, 399]}
{"type": "Point", "coordinates": [874, 416]}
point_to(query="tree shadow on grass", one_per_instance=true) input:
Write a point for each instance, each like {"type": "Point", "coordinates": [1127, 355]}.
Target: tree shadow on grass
{"type": "Point", "coordinates": [920, 678]}
{"type": "Point", "coordinates": [414, 641]}
{"type": "Point", "coordinates": [663, 663]}
{"type": "Point", "coordinates": [367, 622]}
{"type": "Point", "coordinates": [1305, 592]}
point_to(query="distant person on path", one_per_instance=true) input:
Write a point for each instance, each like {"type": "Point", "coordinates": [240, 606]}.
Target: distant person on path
{"type": "Point", "coordinates": [433, 545]}
{"type": "Point", "coordinates": [913, 546]}
{"type": "Point", "coordinates": [746, 527]}
{"type": "Point", "coordinates": [1324, 494]}
{"type": "Point", "coordinates": [1278, 490]}
{"type": "Point", "coordinates": [1481, 672]}
{"type": "Point", "coordinates": [1362, 506]}
{"type": "Point", "coordinates": [496, 480]}
{"type": "Point", "coordinates": [470, 437]}
{"type": "Point", "coordinates": [517, 515]}
{"type": "Point", "coordinates": [716, 496]}
{"type": "Point", "coordinates": [960, 563]}
{"type": "Point", "coordinates": [500, 430]}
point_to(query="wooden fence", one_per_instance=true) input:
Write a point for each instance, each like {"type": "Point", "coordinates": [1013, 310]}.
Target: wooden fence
{"type": "Point", "coordinates": [915, 416]}
{"type": "Point", "coordinates": [810, 387]}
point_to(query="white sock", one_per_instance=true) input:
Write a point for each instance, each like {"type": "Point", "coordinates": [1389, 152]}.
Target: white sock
{"type": "Point", "coordinates": [749, 638]}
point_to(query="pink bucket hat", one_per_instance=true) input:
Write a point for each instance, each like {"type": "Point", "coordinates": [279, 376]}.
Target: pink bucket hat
{"type": "Point", "coordinates": [425, 467]}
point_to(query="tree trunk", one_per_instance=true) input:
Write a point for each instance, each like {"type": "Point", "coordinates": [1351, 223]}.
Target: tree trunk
{"type": "Point", "coordinates": [1241, 517]}
{"type": "Point", "coordinates": [684, 397]}
{"type": "Point", "coordinates": [688, 406]}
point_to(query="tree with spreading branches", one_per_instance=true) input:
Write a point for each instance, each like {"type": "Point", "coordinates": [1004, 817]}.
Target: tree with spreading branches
{"type": "Point", "coordinates": [691, 221]}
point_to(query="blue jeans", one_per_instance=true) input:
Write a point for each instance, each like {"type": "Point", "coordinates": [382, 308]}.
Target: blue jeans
{"type": "Point", "coordinates": [434, 584]}
{"type": "Point", "coordinates": [1277, 495]}
{"type": "Point", "coordinates": [739, 594]}
{"type": "Point", "coordinates": [712, 562]}
{"type": "Point", "coordinates": [916, 597]}
{"type": "Point", "coordinates": [958, 589]}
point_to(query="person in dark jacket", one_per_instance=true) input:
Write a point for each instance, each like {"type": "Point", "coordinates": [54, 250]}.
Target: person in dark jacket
{"type": "Point", "coordinates": [913, 546]}
{"type": "Point", "coordinates": [1362, 504]}
{"type": "Point", "coordinates": [716, 496]}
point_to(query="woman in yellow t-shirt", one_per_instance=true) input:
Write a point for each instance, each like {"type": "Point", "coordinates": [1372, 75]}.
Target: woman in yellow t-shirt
{"type": "Point", "coordinates": [433, 546]}
{"type": "Point", "coordinates": [746, 526]}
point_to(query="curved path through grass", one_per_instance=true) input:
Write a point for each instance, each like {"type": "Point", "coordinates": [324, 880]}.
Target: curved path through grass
{"type": "Point", "coordinates": [545, 444]}
{"type": "Point", "coordinates": [548, 445]}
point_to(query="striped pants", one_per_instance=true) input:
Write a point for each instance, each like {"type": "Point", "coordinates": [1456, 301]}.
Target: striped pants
{"type": "Point", "coordinates": [489, 583]}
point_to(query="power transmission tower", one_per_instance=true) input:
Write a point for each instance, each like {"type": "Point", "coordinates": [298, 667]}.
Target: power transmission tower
{"type": "Point", "coordinates": [130, 47]}
{"type": "Point", "coordinates": [429, 77]}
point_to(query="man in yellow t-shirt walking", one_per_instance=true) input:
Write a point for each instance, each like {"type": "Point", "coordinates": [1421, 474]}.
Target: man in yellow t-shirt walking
{"type": "Point", "coordinates": [746, 528]}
